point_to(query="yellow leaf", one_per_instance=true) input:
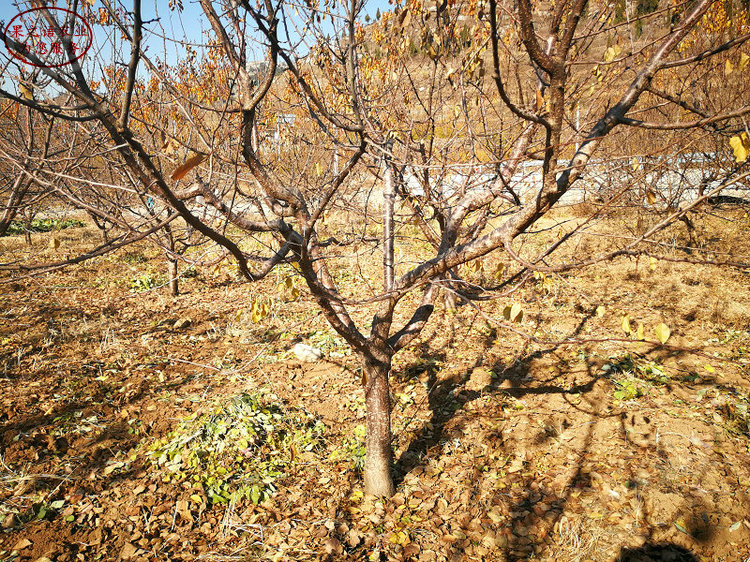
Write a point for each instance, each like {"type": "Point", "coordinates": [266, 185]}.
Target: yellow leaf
{"type": "Point", "coordinates": [513, 312]}
{"type": "Point", "coordinates": [600, 310]}
{"type": "Point", "coordinates": [255, 315]}
{"type": "Point", "coordinates": [611, 53]}
{"type": "Point", "coordinates": [499, 272]}
{"type": "Point", "coordinates": [640, 335]}
{"type": "Point", "coordinates": [652, 263]}
{"type": "Point", "coordinates": [634, 162]}
{"type": "Point", "coordinates": [399, 537]}
{"type": "Point", "coordinates": [709, 368]}
{"type": "Point", "coordinates": [650, 196]}
{"type": "Point", "coordinates": [189, 164]}
{"type": "Point", "coordinates": [728, 68]}
{"type": "Point", "coordinates": [741, 146]}
{"type": "Point", "coordinates": [516, 313]}
{"type": "Point", "coordinates": [626, 324]}
{"type": "Point", "coordinates": [744, 61]}
{"type": "Point", "coordinates": [474, 266]}
{"type": "Point", "coordinates": [26, 92]}
{"type": "Point", "coordinates": [318, 171]}
{"type": "Point", "coordinates": [662, 332]}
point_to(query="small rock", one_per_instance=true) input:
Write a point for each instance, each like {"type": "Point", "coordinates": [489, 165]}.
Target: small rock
{"type": "Point", "coordinates": [182, 323]}
{"type": "Point", "coordinates": [305, 352]}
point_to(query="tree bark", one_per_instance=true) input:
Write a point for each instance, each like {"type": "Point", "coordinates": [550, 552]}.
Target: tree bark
{"type": "Point", "coordinates": [378, 479]}
{"type": "Point", "coordinates": [28, 217]}
{"type": "Point", "coordinates": [10, 210]}
{"type": "Point", "coordinates": [173, 279]}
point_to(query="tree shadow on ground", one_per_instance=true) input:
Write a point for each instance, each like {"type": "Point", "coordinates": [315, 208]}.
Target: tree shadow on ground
{"type": "Point", "coordinates": [656, 553]}
{"type": "Point", "coordinates": [530, 502]}
{"type": "Point", "coordinates": [444, 402]}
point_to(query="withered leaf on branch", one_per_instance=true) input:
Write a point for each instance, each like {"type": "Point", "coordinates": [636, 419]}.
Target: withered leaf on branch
{"type": "Point", "coordinates": [189, 164]}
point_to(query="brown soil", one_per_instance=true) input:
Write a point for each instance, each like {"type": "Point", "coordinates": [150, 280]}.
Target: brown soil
{"type": "Point", "coordinates": [507, 449]}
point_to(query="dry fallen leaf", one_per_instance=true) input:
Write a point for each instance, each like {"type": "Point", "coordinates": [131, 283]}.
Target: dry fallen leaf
{"type": "Point", "coordinates": [128, 551]}
{"type": "Point", "coordinates": [332, 546]}
{"type": "Point", "coordinates": [23, 543]}
{"type": "Point", "coordinates": [353, 538]}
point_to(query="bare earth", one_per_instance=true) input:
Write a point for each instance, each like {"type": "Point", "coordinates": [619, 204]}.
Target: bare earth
{"type": "Point", "coordinates": [506, 449]}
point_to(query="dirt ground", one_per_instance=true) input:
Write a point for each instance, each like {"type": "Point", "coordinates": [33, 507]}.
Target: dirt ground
{"type": "Point", "coordinates": [579, 444]}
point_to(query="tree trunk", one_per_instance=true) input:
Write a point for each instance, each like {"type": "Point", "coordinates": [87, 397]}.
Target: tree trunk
{"type": "Point", "coordinates": [17, 193]}
{"type": "Point", "coordinates": [379, 458]}
{"type": "Point", "coordinates": [27, 228]}
{"type": "Point", "coordinates": [173, 279]}
{"type": "Point", "coordinates": [172, 261]}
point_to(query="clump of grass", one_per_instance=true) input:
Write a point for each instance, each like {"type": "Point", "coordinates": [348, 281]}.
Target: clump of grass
{"type": "Point", "coordinates": [737, 415]}
{"type": "Point", "coordinates": [42, 225]}
{"type": "Point", "coordinates": [638, 368]}
{"type": "Point", "coordinates": [634, 372]}
{"type": "Point", "coordinates": [145, 282]}
{"type": "Point", "coordinates": [353, 449]}
{"type": "Point", "coordinates": [240, 449]}
{"type": "Point", "coordinates": [133, 258]}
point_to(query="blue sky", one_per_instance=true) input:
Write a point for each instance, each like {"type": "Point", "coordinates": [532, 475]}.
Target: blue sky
{"type": "Point", "coordinates": [191, 22]}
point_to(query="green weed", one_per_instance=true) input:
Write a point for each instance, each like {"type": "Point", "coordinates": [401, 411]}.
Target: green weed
{"type": "Point", "coordinates": [353, 449]}
{"type": "Point", "coordinates": [144, 282]}
{"type": "Point", "coordinates": [239, 449]}
{"type": "Point", "coordinates": [42, 225]}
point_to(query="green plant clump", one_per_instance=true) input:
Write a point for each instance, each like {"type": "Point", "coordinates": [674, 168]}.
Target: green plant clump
{"type": "Point", "coordinates": [626, 390]}
{"type": "Point", "coordinates": [144, 282]}
{"type": "Point", "coordinates": [638, 368]}
{"type": "Point", "coordinates": [737, 416]}
{"type": "Point", "coordinates": [239, 449]}
{"type": "Point", "coordinates": [353, 449]}
{"type": "Point", "coordinates": [42, 225]}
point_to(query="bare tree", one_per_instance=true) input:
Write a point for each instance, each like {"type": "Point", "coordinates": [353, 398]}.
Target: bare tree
{"type": "Point", "coordinates": [446, 118]}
